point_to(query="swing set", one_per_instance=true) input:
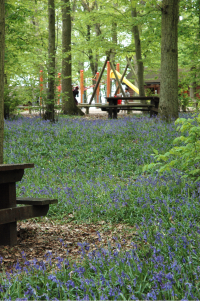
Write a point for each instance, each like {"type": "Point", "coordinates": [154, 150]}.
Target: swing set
{"type": "Point", "coordinates": [111, 74]}
{"type": "Point", "coordinates": [114, 105]}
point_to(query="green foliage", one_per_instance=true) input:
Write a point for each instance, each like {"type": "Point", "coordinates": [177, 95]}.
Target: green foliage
{"type": "Point", "coordinates": [11, 100]}
{"type": "Point", "coordinates": [185, 155]}
{"type": "Point", "coordinates": [183, 96]}
{"type": "Point", "coordinates": [27, 37]}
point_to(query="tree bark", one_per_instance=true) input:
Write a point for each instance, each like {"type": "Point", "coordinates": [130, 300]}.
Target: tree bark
{"type": "Point", "coordinates": [93, 55]}
{"type": "Point", "coordinates": [69, 106]}
{"type": "Point", "coordinates": [168, 107]}
{"type": "Point", "coordinates": [140, 67]}
{"type": "Point", "coordinates": [93, 60]}
{"type": "Point", "coordinates": [2, 49]}
{"type": "Point", "coordinates": [193, 87]}
{"type": "Point", "coordinates": [114, 38]}
{"type": "Point", "coordinates": [50, 114]}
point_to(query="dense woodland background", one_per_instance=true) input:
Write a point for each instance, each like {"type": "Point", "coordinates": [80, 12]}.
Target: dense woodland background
{"type": "Point", "coordinates": [97, 27]}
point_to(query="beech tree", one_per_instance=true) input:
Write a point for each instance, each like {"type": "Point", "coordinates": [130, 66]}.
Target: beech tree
{"type": "Point", "coordinates": [138, 52]}
{"type": "Point", "coordinates": [168, 107]}
{"type": "Point", "coordinates": [49, 114]}
{"type": "Point", "coordinates": [69, 106]}
{"type": "Point", "coordinates": [2, 48]}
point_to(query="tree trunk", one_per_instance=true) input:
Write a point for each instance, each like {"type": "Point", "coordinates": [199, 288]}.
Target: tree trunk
{"type": "Point", "coordinates": [168, 107]}
{"type": "Point", "coordinates": [93, 55]}
{"type": "Point", "coordinates": [2, 49]}
{"type": "Point", "coordinates": [140, 67]}
{"type": "Point", "coordinates": [114, 39]}
{"type": "Point", "coordinates": [93, 63]}
{"type": "Point", "coordinates": [49, 114]}
{"type": "Point", "coordinates": [69, 106]}
{"type": "Point", "coordinates": [193, 87]}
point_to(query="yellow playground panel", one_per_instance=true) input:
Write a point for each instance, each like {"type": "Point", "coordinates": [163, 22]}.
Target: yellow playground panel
{"type": "Point", "coordinates": [126, 81]}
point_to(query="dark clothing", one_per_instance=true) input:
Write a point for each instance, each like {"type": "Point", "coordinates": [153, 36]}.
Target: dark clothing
{"type": "Point", "coordinates": [75, 93]}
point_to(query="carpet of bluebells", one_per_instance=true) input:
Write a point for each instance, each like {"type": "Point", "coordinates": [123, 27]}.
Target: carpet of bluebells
{"type": "Point", "coordinates": [94, 169]}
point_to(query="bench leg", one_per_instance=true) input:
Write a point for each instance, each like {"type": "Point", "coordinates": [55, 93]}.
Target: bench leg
{"type": "Point", "coordinates": [109, 113]}
{"type": "Point", "coordinates": [153, 114]}
{"type": "Point", "coordinates": [8, 234]}
{"type": "Point", "coordinates": [115, 113]}
{"type": "Point", "coordinates": [8, 231]}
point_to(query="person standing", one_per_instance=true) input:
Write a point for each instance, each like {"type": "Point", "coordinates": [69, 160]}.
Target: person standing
{"type": "Point", "coordinates": [127, 94]}
{"type": "Point", "coordinates": [76, 94]}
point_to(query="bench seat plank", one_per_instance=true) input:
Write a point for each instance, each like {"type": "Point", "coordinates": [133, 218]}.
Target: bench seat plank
{"type": "Point", "coordinates": [14, 214]}
{"type": "Point", "coordinates": [8, 167]}
{"type": "Point", "coordinates": [36, 201]}
{"type": "Point", "coordinates": [134, 105]}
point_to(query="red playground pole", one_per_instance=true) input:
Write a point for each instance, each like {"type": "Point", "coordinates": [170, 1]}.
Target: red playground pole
{"type": "Point", "coordinates": [98, 88]}
{"type": "Point", "coordinates": [82, 85]}
{"type": "Point", "coordinates": [41, 86]}
{"type": "Point", "coordinates": [59, 87]}
{"type": "Point", "coordinates": [108, 79]}
{"type": "Point", "coordinates": [118, 69]}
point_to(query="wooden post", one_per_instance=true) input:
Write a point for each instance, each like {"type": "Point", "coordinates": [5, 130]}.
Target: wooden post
{"type": "Point", "coordinates": [98, 88]}
{"type": "Point", "coordinates": [113, 68]}
{"type": "Point", "coordinates": [97, 83]}
{"type": "Point", "coordinates": [108, 79]}
{"type": "Point", "coordinates": [82, 85]}
{"type": "Point", "coordinates": [121, 79]}
{"type": "Point", "coordinates": [132, 69]}
{"type": "Point", "coordinates": [118, 69]}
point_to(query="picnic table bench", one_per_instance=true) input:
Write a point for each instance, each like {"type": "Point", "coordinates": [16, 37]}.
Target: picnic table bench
{"type": "Point", "coordinates": [9, 212]}
{"type": "Point", "coordinates": [113, 108]}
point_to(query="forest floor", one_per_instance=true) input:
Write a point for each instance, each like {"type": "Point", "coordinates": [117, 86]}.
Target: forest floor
{"type": "Point", "coordinates": [37, 238]}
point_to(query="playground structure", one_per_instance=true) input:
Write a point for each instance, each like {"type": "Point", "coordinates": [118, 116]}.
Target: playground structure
{"type": "Point", "coordinates": [111, 74]}
{"type": "Point", "coordinates": [124, 80]}
{"type": "Point", "coordinates": [114, 106]}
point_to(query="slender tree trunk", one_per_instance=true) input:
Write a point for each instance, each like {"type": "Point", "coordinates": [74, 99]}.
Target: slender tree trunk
{"type": "Point", "coordinates": [168, 107]}
{"type": "Point", "coordinates": [69, 106]}
{"type": "Point", "coordinates": [93, 63]}
{"type": "Point", "coordinates": [2, 49]}
{"type": "Point", "coordinates": [93, 55]}
{"type": "Point", "coordinates": [93, 59]}
{"type": "Point", "coordinates": [49, 114]}
{"type": "Point", "coordinates": [193, 87]}
{"type": "Point", "coordinates": [114, 40]}
{"type": "Point", "coordinates": [140, 67]}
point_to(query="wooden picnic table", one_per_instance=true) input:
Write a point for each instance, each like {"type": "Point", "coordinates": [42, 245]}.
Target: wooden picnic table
{"type": "Point", "coordinates": [9, 212]}
{"type": "Point", "coordinates": [113, 108]}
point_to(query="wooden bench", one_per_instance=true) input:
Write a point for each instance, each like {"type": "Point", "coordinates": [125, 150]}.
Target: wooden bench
{"type": "Point", "coordinates": [9, 212]}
